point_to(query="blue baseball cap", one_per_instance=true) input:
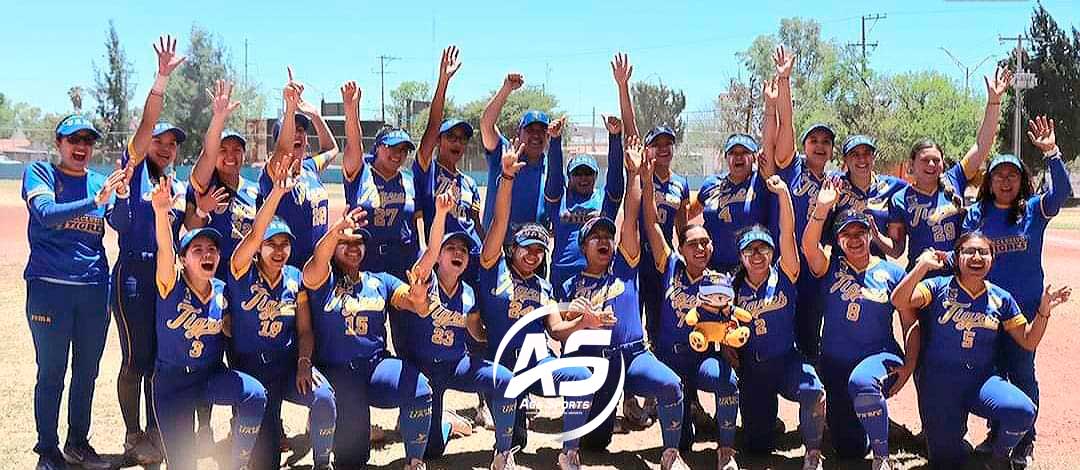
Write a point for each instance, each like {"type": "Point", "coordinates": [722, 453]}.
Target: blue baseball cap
{"type": "Point", "coordinates": [817, 127]}
{"type": "Point", "coordinates": [856, 140]}
{"type": "Point", "coordinates": [657, 132]}
{"type": "Point", "coordinates": [755, 235]}
{"type": "Point", "coordinates": [395, 137]}
{"type": "Point", "coordinates": [163, 126]}
{"type": "Point", "coordinates": [191, 235]}
{"type": "Point", "coordinates": [75, 123]}
{"type": "Point", "coordinates": [745, 140]}
{"type": "Point", "coordinates": [449, 124]}
{"type": "Point", "coordinates": [458, 235]}
{"type": "Point", "coordinates": [849, 217]}
{"type": "Point", "coordinates": [532, 116]}
{"type": "Point", "coordinates": [531, 234]}
{"type": "Point", "coordinates": [594, 224]}
{"type": "Point", "coordinates": [231, 134]}
{"type": "Point", "coordinates": [278, 226]}
{"type": "Point", "coordinates": [1003, 159]}
{"type": "Point", "coordinates": [582, 161]}
{"type": "Point", "coordinates": [301, 120]}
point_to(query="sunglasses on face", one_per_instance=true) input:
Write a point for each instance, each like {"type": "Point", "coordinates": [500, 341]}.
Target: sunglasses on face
{"type": "Point", "coordinates": [81, 139]}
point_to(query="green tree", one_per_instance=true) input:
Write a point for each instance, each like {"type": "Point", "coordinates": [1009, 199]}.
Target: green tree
{"type": "Point", "coordinates": [927, 105]}
{"type": "Point", "coordinates": [656, 105]}
{"type": "Point", "coordinates": [113, 91]}
{"type": "Point", "coordinates": [1055, 58]}
{"type": "Point", "coordinates": [519, 101]}
{"type": "Point", "coordinates": [403, 107]}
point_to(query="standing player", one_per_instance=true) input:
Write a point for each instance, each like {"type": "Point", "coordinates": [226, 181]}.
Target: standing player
{"type": "Point", "coordinates": [148, 154]}
{"type": "Point", "coordinates": [1015, 220]}
{"type": "Point", "coordinates": [967, 315]}
{"type": "Point", "coordinates": [67, 288]}
{"type": "Point", "coordinates": [532, 132]}
{"type": "Point", "coordinates": [864, 190]}
{"type": "Point", "coordinates": [605, 297]}
{"type": "Point", "coordinates": [306, 209]}
{"type": "Point", "coordinates": [192, 325]}
{"type": "Point", "coordinates": [860, 361]}
{"type": "Point", "coordinates": [569, 204]}
{"type": "Point", "coordinates": [349, 309]}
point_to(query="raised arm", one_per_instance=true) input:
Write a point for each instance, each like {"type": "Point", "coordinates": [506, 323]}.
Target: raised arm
{"type": "Point", "coordinates": [630, 239]}
{"type": "Point", "coordinates": [984, 140]}
{"type": "Point", "coordinates": [222, 105]}
{"type": "Point", "coordinates": [789, 252]}
{"type": "Point", "coordinates": [167, 61]}
{"type": "Point", "coordinates": [328, 148]}
{"type": "Point", "coordinates": [489, 132]}
{"type": "Point", "coordinates": [353, 160]}
{"type": "Point", "coordinates": [555, 183]}
{"type": "Point", "coordinates": [317, 269]}
{"type": "Point", "coordinates": [622, 70]}
{"type": "Point", "coordinates": [827, 197]}
{"type": "Point", "coordinates": [614, 181]}
{"type": "Point", "coordinates": [493, 242]}
{"type": "Point", "coordinates": [653, 233]}
{"type": "Point", "coordinates": [161, 201]}
{"type": "Point", "coordinates": [448, 66]}
{"type": "Point", "coordinates": [284, 145]}
{"type": "Point", "coordinates": [281, 176]}
{"type": "Point", "coordinates": [1041, 133]}
{"type": "Point", "coordinates": [785, 136]}
{"type": "Point", "coordinates": [1030, 335]}
{"type": "Point", "coordinates": [767, 155]}
{"type": "Point", "coordinates": [416, 298]}
{"type": "Point", "coordinates": [444, 203]}
{"type": "Point", "coordinates": [119, 213]}
{"type": "Point", "coordinates": [907, 296]}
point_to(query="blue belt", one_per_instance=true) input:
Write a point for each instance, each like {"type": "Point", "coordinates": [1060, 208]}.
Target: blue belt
{"type": "Point", "coordinates": [266, 357]}
{"type": "Point", "coordinates": [633, 348]}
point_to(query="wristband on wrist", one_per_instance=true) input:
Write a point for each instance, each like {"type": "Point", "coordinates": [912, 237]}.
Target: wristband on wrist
{"type": "Point", "coordinates": [1052, 152]}
{"type": "Point", "coordinates": [819, 219]}
{"type": "Point", "coordinates": [506, 177]}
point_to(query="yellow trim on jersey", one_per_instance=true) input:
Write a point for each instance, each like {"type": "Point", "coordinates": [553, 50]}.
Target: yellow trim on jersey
{"type": "Point", "coordinates": [209, 296]}
{"type": "Point", "coordinates": [630, 260]}
{"type": "Point", "coordinates": [244, 268]}
{"type": "Point", "coordinates": [924, 293]}
{"type": "Point", "coordinates": [970, 177]}
{"type": "Point", "coordinates": [132, 154]}
{"type": "Point", "coordinates": [166, 286]}
{"type": "Point", "coordinates": [350, 178]}
{"type": "Point", "coordinates": [1016, 321]}
{"type": "Point", "coordinates": [273, 283]}
{"type": "Point", "coordinates": [973, 295]}
{"type": "Point", "coordinates": [399, 297]}
{"type": "Point", "coordinates": [490, 263]}
{"type": "Point", "coordinates": [321, 282]}
{"type": "Point", "coordinates": [302, 296]}
{"type": "Point", "coordinates": [663, 260]}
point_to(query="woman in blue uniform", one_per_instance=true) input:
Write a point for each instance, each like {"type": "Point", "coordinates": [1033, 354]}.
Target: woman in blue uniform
{"type": "Point", "coordinates": [147, 157]}
{"type": "Point", "coordinates": [1015, 219]}
{"type": "Point", "coordinates": [272, 336]}
{"type": "Point", "coordinates": [349, 309]}
{"type": "Point", "coordinates": [929, 213]}
{"type": "Point", "coordinates": [861, 363]}
{"type": "Point", "coordinates": [965, 317]}
{"type": "Point", "coordinates": [67, 288]}
{"type": "Point", "coordinates": [685, 273]}
{"type": "Point", "coordinates": [864, 190]}
{"type": "Point", "coordinates": [605, 297]}
{"type": "Point", "coordinates": [192, 324]}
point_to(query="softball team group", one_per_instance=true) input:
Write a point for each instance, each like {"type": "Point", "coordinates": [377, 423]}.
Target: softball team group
{"type": "Point", "coordinates": [298, 302]}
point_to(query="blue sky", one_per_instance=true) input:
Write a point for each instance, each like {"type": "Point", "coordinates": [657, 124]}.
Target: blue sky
{"type": "Point", "coordinates": [49, 46]}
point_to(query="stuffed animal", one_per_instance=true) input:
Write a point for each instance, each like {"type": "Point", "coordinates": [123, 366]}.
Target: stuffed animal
{"type": "Point", "coordinates": [730, 331]}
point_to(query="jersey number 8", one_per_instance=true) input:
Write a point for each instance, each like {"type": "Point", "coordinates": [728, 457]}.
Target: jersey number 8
{"type": "Point", "coordinates": [853, 311]}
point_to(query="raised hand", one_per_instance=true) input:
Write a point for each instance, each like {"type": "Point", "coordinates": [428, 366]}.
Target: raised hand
{"type": "Point", "coordinates": [221, 98]}
{"type": "Point", "coordinates": [449, 64]}
{"type": "Point", "coordinates": [161, 198]}
{"type": "Point", "coordinates": [513, 81]}
{"type": "Point", "coordinates": [933, 259]}
{"type": "Point", "coordinates": [829, 193]}
{"type": "Point", "coordinates": [510, 163]}
{"type": "Point", "coordinates": [1041, 133]}
{"type": "Point", "coordinates": [1052, 298]}
{"type": "Point", "coordinates": [123, 187]}
{"type": "Point", "coordinates": [633, 155]}
{"type": "Point", "coordinates": [555, 129]}
{"type": "Point", "coordinates": [445, 202]}
{"type": "Point", "coordinates": [621, 68]}
{"type": "Point", "coordinates": [783, 60]}
{"type": "Point", "coordinates": [283, 174]}
{"type": "Point", "coordinates": [771, 92]}
{"type": "Point", "coordinates": [115, 183]}
{"type": "Point", "coordinates": [291, 94]}
{"type": "Point", "coordinates": [613, 124]}
{"type": "Point", "coordinates": [419, 286]}
{"type": "Point", "coordinates": [350, 94]}
{"type": "Point", "coordinates": [776, 185]}
{"type": "Point", "coordinates": [211, 200]}
{"type": "Point", "coordinates": [167, 58]}
{"type": "Point", "coordinates": [999, 84]}
{"type": "Point", "coordinates": [354, 219]}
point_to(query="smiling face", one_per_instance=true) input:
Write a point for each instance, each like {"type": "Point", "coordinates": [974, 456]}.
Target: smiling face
{"type": "Point", "coordinates": [860, 161]}
{"type": "Point", "coordinates": [599, 247]}
{"type": "Point", "coordinates": [926, 166]}
{"type": "Point", "coordinates": [583, 180]}
{"type": "Point", "coordinates": [1005, 183]}
{"type": "Point", "coordinates": [76, 150]}
{"type": "Point", "coordinates": [163, 150]}
{"type": "Point", "coordinates": [201, 258]}
{"type": "Point", "coordinates": [696, 248]}
{"type": "Point", "coordinates": [390, 158]}
{"type": "Point", "coordinates": [975, 256]}
{"type": "Point", "coordinates": [535, 138]}
{"type": "Point", "coordinates": [818, 148]}
{"type": "Point", "coordinates": [453, 257]}
{"type": "Point", "coordinates": [661, 150]}
{"type": "Point", "coordinates": [348, 254]}
{"type": "Point", "coordinates": [757, 258]}
{"type": "Point", "coordinates": [740, 161]}
{"type": "Point", "coordinates": [452, 145]}
{"type": "Point", "coordinates": [300, 138]}
{"type": "Point", "coordinates": [230, 156]}
{"type": "Point", "coordinates": [274, 253]}
{"type": "Point", "coordinates": [526, 259]}
{"type": "Point", "coordinates": [854, 241]}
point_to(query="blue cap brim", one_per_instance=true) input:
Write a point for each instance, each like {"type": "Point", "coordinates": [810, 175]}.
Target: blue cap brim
{"type": "Point", "coordinates": [578, 163]}
{"type": "Point", "coordinates": [594, 224]}
{"type": "Point", "coordinates": [177, 132]}
{"type": "Point", "coordinates": [396, 140]}
{"type": "Point", "coordinates": [656, 133]}
{"type": "Point", "coordinates": [192, 235]}
{"type": "Point", "coordinates": [756, 236]}
{"type": "Point", "coordinates": [815, 127]}
{"type": "Point", "coordinates": [458, 236]}
{"type": "Point", "coordinates": [1006, 159]}
{"type": "Point", "coordinates": [452, 124]}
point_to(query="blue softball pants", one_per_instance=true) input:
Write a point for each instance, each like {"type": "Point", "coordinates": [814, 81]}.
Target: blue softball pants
{"type": "Point", "coordinates": [711, 374]}
{"type": "Point", "coordinates": [857, 415]}
{"type": "Point", "coordinates": [468, 374]}
{"type": "Point", "coordinates": [786, 375]}
{"type": "Point", "coordinates": [575, 411]}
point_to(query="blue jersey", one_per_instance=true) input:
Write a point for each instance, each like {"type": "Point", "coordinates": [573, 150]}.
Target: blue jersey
{"type": "Point", "coordinates": [133, 217]}
{"type": "Point", "coordinates": [190, 328]}
{"type": "Point", "coordinates": [772, 332]}
{"type": "Point", "coordinates": [349, 317]}
{"type": "Point", "coordinates": [1018, 248]}
{"type": "Point", "coordinates": [728, 208]}
{"type": "Point", "coordinates": [527, 202]}
{"type": "Point", "coordinates": [65, 245]}
{"type": "Point", "coordinates": [506, 297]}
{"type": "Point", "coordinates": [441, 335]}
{"type": "Point", "coordinates": [390, 202]}
{"type": "Point", "coordinates": [931, 220]}
{"type": "Point", "coordinates": [232, 221]}
{"type": "Point", "coordinates": [681, 296]}
{"type": "Point", "coordinates": [305, 210]}
{"type": "Point", "coordinates": [874, 202]}
{"type": "Point", "coordinates": [961, 327]}
{"type": "Point", "coordinates": [803, 185]}
{"type": "Point", "coordinates": [614, 291]}
{"type": "Point", "coordinates": [436, 179]}
{"type": "Point", "coordinates": [858, 314]}
{"type": "Point", "coordinates": [671, 193]}
{"type": "Point", "coordinates": [264, 312]}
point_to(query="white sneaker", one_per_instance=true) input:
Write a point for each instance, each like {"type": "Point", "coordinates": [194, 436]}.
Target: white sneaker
{"type": "Point", "coordinates": [672, 460]}
{"type": "Point", "coordinates": [725, 459]}
{"type": "Point", "coordinates": [416, 464]}
{"type": "Point", "coordinates": [504, 460]}
{"type": "Point", "coordinates": [812, 460]}
{"type": "Point", "coordinates": [881, 464]}
{"type": "Point", "coordinates": [569, 460]}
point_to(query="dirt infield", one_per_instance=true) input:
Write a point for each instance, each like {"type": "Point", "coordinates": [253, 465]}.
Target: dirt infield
{"type": "Point", "coordinates": [1058, 445]}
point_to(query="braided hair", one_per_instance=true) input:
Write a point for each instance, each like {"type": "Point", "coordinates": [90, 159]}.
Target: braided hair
{"type": "Point", "coordinates": [944, 184]}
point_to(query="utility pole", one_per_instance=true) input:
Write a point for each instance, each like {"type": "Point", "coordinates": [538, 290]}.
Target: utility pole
{"type": "Point", "coordinates": [594, 128]}
{"type": "Point", "coordinates": [1023, 80]}
{"type": "Point", "coordinates": [383, 59]}
{"type": "Point", "coordinates": [863, 42]}
{"type": "Point", "coordinates": [967, 70]}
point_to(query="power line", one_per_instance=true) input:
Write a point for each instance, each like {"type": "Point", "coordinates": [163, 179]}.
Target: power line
{"type": "Point", "coordinates": [862, 43]}
{"type": "Point", "coordinates": [383, 59]}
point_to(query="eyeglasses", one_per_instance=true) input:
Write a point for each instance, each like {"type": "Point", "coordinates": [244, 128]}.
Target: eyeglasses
{"type": "Point", "coordinates": [699, 243]}
{"type": "Point", "coordinates": [455, 139]}
{"type": "Point", "coordinates": [975, 251]}
{"type": "Point", "coordinates": [762, 250]}
{"type": "Point", "coordinates": [81, 139]}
